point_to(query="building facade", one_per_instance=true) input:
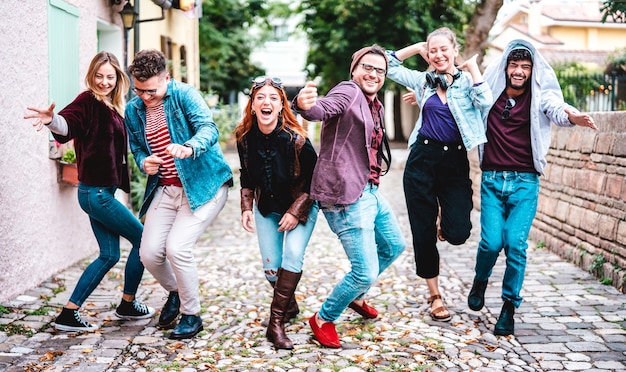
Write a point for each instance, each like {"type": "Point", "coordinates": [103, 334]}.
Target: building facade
{"type": "Point", "coordinates": [45, 52]}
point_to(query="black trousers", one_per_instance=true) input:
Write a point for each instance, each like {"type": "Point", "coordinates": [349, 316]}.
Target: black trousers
{"type": "Point", "coordinates": [437, 175]}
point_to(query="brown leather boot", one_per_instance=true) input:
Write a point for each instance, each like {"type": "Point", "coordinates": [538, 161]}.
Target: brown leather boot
{"type": "Point", "coordinates": [283, 293]}
{"type": "Point", "coordinates": [293, 309]}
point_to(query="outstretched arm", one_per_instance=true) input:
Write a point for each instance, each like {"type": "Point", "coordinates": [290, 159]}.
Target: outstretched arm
{"type": "Point", "coordinates": [580, 119]}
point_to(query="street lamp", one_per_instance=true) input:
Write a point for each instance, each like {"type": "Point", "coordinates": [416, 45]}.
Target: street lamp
{"type": "Point", "coordinates": [129, 16]}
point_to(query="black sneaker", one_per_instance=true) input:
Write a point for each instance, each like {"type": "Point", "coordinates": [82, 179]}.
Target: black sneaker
{"type": "Point", "coordinates": [133, 310]}
{"type": "Point", "coordinates": [70, 320]}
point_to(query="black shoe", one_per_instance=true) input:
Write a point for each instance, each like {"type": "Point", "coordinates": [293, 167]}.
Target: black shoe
{"type": "Point", "coordinates": [70, 320]}
{"type": "Point", "coordinates": [170, 311]}
{"type": "Point", "coordinates": [476, 298]}
{"type": "Point", "coordinates": [189, 326]}
{"type": "Point", "coordinates": [506, 322]}
{"type": "Point", "coordinates": [133, 310]}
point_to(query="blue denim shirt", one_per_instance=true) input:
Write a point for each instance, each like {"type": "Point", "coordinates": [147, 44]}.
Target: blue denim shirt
{"type": "Point", "coordinates": [468, 103]}
{"type": "Point", "coordinates": [190, 122]}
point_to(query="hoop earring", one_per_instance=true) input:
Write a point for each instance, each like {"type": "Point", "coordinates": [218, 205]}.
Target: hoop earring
{"type": "Point", "coordinates": [253, 113]}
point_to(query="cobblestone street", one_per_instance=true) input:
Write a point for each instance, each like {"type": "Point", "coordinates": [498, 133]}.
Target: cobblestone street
{"type": "Point", "coordinates": [569, 321]}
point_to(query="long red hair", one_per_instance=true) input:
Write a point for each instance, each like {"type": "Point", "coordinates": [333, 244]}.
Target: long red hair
{"type": "Point", "coordinates": [289, 120]}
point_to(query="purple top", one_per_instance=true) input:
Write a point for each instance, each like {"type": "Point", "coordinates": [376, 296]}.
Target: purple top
{"type": "Point", "coordinates": [438, 122]}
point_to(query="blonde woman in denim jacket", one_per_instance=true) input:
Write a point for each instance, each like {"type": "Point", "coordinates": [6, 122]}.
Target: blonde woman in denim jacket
{"type": "Point", "coordinates": [437, 186]}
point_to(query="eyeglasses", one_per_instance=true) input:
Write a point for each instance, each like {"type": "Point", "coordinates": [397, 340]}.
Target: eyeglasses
{"type": "Point", "coordinates": [149, 92]}
{"type": "Point", "coordinates": [370, 68]}
{"type": "Point", "coordinates": [262, 80]}
{"type": "Point", "coordinates": [506, 113]}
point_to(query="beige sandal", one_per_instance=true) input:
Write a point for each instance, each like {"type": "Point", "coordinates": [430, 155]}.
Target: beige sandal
{"type": "Point", "coordinates": [434, 312]}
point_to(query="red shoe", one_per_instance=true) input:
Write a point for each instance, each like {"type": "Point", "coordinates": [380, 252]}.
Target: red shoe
{"type": "Point", "coordinates": [365, 310]}
{"type": "Point", "coordinates": [326, 335]}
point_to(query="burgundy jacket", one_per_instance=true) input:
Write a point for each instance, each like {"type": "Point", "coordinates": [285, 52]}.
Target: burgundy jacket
{"type": "Point", "coordinates": [100, 141]}
{"type": "Point", "coordinates": [342, 168]}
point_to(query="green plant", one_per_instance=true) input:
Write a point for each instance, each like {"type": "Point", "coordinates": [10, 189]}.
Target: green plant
{"type": "Point", "coordinates": [137, 183]}
{"type": "Point", "coordinates": [597, 263]}
{"type": "Point", "coordinates": [4, 310]}
{"type": "Point", "coordinates": [226, 117]}
{"type": "Point", "coordinates": [606, 281]}
{"type": "Point", "coordinates": [541, 245]}
{"type": "Point", "coordinates": [40, 311]}
{"type": "Point", "coordinates": [16, 329]}
{"type": "Point", "coordinates": [69, 156]}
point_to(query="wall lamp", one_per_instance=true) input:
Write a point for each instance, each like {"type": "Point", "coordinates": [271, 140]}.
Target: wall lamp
{"type": "Point", "coordinates": [129, 16]}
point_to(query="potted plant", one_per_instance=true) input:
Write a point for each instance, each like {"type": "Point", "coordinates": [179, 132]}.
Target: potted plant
{"type": "Point", "coordinates": [68, 171]}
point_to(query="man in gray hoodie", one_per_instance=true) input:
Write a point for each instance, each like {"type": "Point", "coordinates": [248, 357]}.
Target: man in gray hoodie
{"type": "Point", "coordinates": [527, 99]}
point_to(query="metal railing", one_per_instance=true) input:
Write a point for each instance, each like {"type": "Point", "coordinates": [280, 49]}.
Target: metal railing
{"type": "Point", "coordinates": [594, 92]}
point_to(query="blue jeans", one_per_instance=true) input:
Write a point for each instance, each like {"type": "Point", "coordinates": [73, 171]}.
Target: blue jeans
{"type": "Point", "coordinates": [283, 248]}
{"type": "Point", "coordinates": [372, 240]}
{"type": "Point", "coordinates": [109, 219]}
{"type": "Point", "coordinates": [508, 207]}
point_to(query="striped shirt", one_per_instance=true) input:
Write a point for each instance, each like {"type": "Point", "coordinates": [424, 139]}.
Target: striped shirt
{"type": "Point", "coordinates": [159, 138]}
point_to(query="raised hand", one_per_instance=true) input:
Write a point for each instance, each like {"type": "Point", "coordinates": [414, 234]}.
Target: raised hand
{"type": "Point", "coordinates": [41, 116]}
{"type": "Point", "coordinates": [307, 97]}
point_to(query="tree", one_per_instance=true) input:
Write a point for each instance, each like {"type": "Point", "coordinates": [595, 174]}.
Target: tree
{"type": "Point", "coordinates": [358, 23]}
{"type": "Point", "coordinates": [477, 32]}
{"type": "Point", "coordinates": [225, 44]}
{"type": "Point", "coordinates": [616, 10]}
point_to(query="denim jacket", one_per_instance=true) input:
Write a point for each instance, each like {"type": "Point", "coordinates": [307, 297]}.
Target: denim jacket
{"type": "Point", "coordinates": [468, 103]}
{"type": "Point", "coordinates": [190, 122]}
{"type": "Point", "coordinates": [546, 105]}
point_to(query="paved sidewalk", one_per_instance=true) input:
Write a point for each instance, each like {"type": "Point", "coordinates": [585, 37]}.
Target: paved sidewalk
{"type": "Point", "coordinates": [568, 321]}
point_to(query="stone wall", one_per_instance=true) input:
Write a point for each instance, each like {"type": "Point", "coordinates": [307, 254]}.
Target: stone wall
{"type": "Point", "coordinates": [581, 214]}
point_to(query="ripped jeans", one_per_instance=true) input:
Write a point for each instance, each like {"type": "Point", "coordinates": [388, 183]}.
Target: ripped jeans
{"type": "Point", "coordinates": [282, 248]}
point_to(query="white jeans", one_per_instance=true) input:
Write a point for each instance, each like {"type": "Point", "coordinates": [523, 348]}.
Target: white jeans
{"type": "Point", "coordinates": [170, 233]}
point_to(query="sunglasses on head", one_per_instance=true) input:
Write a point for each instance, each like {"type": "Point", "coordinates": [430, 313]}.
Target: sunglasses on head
{"type": "Point", "coordinates": [506, 113]}
{"type": "Point", "coordinates": [263, 80]}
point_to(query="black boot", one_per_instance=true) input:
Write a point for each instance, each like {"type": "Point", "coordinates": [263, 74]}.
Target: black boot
{"type": "Point", "coordinates": [283, 293]}
{"type": "Point", "coordinates": [506, 322]}
{"type": "Point", "coordinates": [170, 311]}
{"type": "Point", "coordinates": [476, 298]}
{"type": "Point", "coordinates": [293, 309]}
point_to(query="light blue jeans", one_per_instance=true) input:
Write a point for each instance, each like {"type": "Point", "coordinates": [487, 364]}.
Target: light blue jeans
{"type": "Point", "coordinates": [507, 208]}
{"type": "Point", "coordinates": [372, 240]}
{"type": "Point", "coordinates": [283, 248]}
{"type": "Point", "coordinates": [109, 219]}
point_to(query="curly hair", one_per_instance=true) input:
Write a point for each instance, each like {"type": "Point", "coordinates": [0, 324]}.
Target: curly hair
{"type": "Point", "coordinates": [289, 120]}
{"type": "Point", "coordinates": [147, 63]}
{"type": "Point", "coordinates": [520, 54]}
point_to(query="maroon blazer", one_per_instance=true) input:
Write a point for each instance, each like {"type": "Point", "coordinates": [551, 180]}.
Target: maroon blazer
{"type": "Point", "coordinates": [100, 141]}
{"type": "Point", "coordinates": [342, 167]}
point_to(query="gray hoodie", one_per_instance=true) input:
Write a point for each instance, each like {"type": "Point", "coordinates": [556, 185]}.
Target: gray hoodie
{"type": "Point", "coordinates": [546, 107]}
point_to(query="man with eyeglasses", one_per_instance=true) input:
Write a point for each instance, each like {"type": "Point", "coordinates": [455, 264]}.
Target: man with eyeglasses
{"type": "Point", "coordinates": [527, 99]}
{"type": "Point", "coordinates": [345, 182]}
{"type": "Point", "coordinates": [174, 140]}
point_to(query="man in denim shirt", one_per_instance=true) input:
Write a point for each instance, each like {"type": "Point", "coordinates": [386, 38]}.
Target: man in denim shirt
{"type": "Point", "coordinates": [173, 139]}
{"type": "Point", "coordinates": [345, 182]}
{"type": "Point", "coordinates": [527, 99]}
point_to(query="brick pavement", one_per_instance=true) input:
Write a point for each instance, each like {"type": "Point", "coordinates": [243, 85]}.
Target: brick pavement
{"type": "Point", "coordinates": [568, 321]}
